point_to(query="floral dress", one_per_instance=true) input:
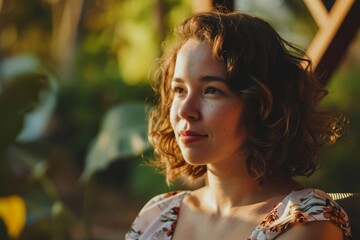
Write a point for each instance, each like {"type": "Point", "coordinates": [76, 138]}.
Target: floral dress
{"type": "Point", "coordinates": [158, 218]}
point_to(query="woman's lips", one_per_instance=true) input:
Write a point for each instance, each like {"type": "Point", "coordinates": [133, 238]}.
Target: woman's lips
{"type": "Point", "coordinates": [191, 136]}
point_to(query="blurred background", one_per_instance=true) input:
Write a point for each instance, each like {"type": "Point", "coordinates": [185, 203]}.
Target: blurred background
{"type": "Point", "coordinates": [74, 90]}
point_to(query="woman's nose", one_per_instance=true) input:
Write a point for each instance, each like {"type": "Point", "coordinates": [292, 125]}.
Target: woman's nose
{"type": "Point", "coordinates": [189, 108]}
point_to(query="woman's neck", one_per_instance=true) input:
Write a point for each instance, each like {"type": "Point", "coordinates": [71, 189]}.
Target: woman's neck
{"type": "Point", "coordinates": [229, 189]}
{"type": "Point", "coordinates": [234, 187]}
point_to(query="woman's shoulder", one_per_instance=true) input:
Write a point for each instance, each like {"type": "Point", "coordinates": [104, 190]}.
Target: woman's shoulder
{"type": "Point", "coordinates": [315, 204]}
{"type": "Point", "coordinates": [157, 215]}
{"type": "Point", "coordinates": [307, 205]}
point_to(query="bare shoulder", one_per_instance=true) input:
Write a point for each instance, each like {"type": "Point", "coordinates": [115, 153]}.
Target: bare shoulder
{"type": "Point", "coordinates": [319, 230]}
{"type": "Point", "coordinates": [196, 198]}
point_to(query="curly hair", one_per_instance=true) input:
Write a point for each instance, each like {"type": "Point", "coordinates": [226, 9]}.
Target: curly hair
{"type": "Point", "coordinates": [285, 127]}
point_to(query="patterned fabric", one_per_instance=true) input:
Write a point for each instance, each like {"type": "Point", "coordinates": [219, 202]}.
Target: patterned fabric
{"type": "Point", "coordinates": [158, 218]}
{"type": "Point", "coordinates": [305, 205]}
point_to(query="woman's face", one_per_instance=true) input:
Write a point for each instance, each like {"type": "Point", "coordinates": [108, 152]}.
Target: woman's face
{"type": "Point", "coordinates": [207, 117]}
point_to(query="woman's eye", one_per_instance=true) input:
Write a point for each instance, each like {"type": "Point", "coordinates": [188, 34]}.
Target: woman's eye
{"type": "Point", "coordinates": [178, 90]}
{"type": "Point", "coordinates": [212, 90]}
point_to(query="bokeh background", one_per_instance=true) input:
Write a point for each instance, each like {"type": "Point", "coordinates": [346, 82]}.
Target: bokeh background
{"type": "Point", "coordinates": [74, 89]}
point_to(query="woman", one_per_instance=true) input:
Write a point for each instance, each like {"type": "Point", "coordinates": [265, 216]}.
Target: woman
{"type": "Point", "coordinates": [238, 106]}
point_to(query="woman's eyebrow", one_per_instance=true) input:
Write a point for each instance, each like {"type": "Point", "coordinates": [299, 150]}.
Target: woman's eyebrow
{"type": "Point", "coordinates": [178, 80]}
{"type": "Point", "coordinates": [207, 78]}
{"type": "Point", "coordinates": [212, 79]}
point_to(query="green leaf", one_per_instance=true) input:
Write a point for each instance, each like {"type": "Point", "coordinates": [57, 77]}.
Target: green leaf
{"type": "Point", "coordinates": [123, 135]}
{"type": "Point", "coordinates": [28, 96]}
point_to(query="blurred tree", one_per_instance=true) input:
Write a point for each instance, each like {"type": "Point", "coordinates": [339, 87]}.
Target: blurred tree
{"type": "Point", "coordinates": [65, 21]}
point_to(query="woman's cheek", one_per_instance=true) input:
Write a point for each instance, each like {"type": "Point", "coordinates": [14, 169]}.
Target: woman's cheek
{"type": "Point", "coordinates": [173, 114]}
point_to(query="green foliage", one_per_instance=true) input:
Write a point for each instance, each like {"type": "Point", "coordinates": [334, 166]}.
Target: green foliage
{"type": "Point", "coordinates": [340, 163]}
{"type": "Point", "coordinates": [123, 135]}
{"type": "Point", "coordinates": [342, 90]}
{"type": "Point", "coordinates": [19, 96]}
{"type": "Point", "coordinates": [106, 64]}
{"type": "Point", "coordinates": [145, 183]}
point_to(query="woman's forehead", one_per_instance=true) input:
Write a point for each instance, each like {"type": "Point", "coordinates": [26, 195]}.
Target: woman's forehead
{"type": "Point", "coordinates": [195, 58]}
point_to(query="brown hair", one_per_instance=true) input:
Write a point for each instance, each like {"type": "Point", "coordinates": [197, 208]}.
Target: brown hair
{"type": "Point", "coordinates": [285, 127]}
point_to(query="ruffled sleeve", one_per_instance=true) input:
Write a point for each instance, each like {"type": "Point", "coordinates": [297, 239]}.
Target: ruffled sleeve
{"type": "Point", "coordinates": [306, 205]}
{"type": "Point", "coordinates": [158, 218]}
